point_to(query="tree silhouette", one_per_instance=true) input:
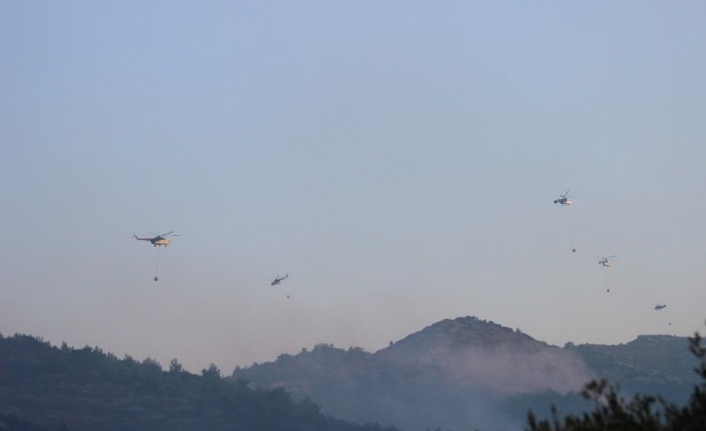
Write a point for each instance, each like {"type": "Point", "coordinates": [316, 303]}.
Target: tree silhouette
{"type": "Point", "coordinates": [175, 366]}
{"type": "Point", "coordinates": [211, 372]}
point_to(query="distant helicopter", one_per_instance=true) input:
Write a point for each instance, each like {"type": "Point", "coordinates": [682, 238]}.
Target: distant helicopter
{"type": "Point", "coordinates": [659, 307]}
{"type": "Point", "coordinates": [605, 262]}
{"type": "Point", "coordinates": [564, 199]}
{"type": "Point", "coordinates": [159, 240]}
{"type": "Point", "coordinates": [278, 279]}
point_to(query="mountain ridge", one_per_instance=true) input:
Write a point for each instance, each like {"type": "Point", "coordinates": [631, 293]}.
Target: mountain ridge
{"type": "Point", "coordinates": [468, 361]}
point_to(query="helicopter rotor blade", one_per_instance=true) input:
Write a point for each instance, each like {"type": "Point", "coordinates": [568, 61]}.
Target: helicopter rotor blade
{"type": "Point", "coordinates": [165, 234]}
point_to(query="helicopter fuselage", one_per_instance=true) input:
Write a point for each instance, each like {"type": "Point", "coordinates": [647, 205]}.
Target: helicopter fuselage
{"type": "Point", "coordinates": [158, 240]}
{"type": "Point", "coordinates": [605, 263]}
{"type": "Point", "coordinates": [563, 201]}
{"type": "Point", "coordinates": [278, 280]}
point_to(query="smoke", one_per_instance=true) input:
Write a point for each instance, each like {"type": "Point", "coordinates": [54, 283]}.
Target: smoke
{"type": "Point", "coordinates": [460, 374]}
{"type": "Point", "coordinates": [470, 385]}
{"type": "Point", "coordinates": [504, 371]}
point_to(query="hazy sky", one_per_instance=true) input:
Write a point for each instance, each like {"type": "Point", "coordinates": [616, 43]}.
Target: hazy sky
{"type": "Point", "coordinates": [398, 159]}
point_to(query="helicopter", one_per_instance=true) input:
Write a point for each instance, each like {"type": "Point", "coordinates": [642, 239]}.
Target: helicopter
{"type": "Point", "coordinates": [564, 199]}
{"type": "Point", "coordinates": [659, 307]}
{"type": "Point", "coordinates": [605, 262]}
{"type": "Point", "coordinates": [159, 240]}
{"type": "Point", "coordinates": [278, 280]}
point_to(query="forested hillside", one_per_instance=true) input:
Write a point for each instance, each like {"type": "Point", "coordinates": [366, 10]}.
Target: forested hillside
{"type": "Point", "coordinates": [43, 387]}
{"type": "Point", "coordinates": [458, 374]}
{"type": "Point", "coordinates": [652, 364]}
{"type": "Point", "coordinates": [467, 372]}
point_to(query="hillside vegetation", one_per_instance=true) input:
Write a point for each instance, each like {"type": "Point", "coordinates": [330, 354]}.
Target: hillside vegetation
{"type": "Point", "coordinates": [458, 374]}
{"type": "Point", "coordinates": [639, 413]}
{"type": "Point", "coordinates": [467, 373]}
{"type": "Point", "coordinates": [657, 364]}
{"type": "Point", "coordinates": [43, 387]}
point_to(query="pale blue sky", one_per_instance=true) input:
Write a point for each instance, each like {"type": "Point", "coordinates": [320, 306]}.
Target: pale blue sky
{"type": "Point", "coordinates": [399, 159]}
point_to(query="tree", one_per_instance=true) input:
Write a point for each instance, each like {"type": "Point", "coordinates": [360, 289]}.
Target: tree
{"type": "Point", "coordinates": [641, 413]}
{"type": "Point", "coordinates": [175, 366]}
{"type": "Point", "coordinates": [212, 371]}
{"type": "Point", "coordinates": [152, 365]}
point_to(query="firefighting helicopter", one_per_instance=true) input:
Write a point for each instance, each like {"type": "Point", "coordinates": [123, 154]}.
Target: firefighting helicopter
{"type": "Point", "coordinates": [159, 240]}
{"type": "Point", "coordinates": [278, 280]}
{"type": "Point", "coordinates": [563, 199]}
{"type": "Point", "coordinates": [605, 261]}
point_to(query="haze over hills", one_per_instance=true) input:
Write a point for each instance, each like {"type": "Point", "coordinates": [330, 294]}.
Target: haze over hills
{"type": "Point", "coordinates": [655, 364]}
{"type": "Point", "coordinates": [457, 374]}
{"type": "Point", "coordinates": [491, 357]}
{"type": "Point", "coordinates": [468, 372]}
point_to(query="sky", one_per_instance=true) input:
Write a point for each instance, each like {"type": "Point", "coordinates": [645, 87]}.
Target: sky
{"type": "Point", "coordinates": [398, 159]}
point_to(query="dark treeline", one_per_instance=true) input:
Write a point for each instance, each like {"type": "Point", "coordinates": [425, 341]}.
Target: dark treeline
{"type": "Point", "coordinates": [43, 387]}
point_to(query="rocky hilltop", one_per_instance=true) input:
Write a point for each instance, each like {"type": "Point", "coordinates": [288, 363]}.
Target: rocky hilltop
{"type": "Point", "coordinates": [491, 357]}
{"type": "Point", "coordinates": [467, 372]}
{"type": "Point", "coordinates": [451, 336]}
